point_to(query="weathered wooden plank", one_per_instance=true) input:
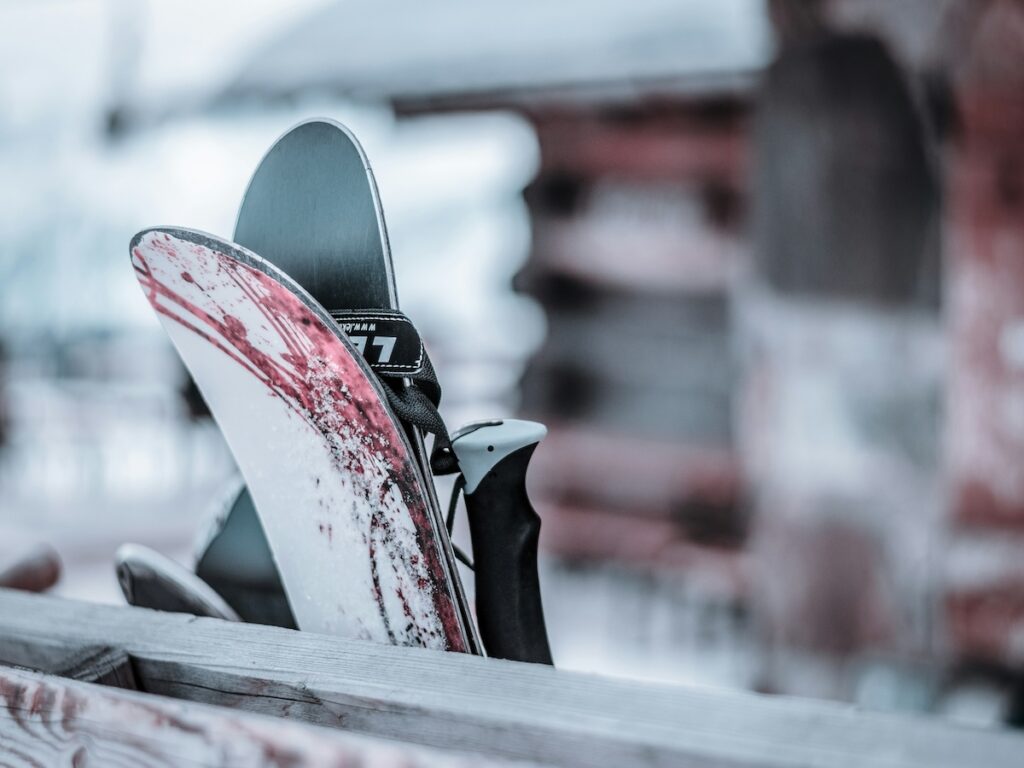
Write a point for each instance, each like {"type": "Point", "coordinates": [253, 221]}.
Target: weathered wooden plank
{"type": "Point", "coordinates": [51, 721]}
{"type": "Point", "coordinates": [484, 705]}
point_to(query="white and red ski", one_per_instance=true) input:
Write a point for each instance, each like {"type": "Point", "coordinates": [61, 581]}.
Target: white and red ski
{"type": "Point", "coordinates": [333, 477]}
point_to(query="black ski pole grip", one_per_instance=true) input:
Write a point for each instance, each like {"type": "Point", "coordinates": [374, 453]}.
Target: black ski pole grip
{"type": "Point", "coordinates": [504, 529]}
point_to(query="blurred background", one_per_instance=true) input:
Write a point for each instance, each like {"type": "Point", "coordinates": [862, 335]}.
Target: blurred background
{"type": "Point", "coordinates": [758, 264]}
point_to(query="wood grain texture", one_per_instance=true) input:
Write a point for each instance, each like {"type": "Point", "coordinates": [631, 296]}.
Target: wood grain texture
{"type": "Point", "coordinates": [51, 721]}
{"type": "Point", "coordinates": [102, 665]}
{"type": "Point", "coordinates": [484, 705]}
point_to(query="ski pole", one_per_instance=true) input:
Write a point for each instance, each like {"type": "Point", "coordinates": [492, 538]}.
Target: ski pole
{"type": "Point", "coordinates": [504, 530]}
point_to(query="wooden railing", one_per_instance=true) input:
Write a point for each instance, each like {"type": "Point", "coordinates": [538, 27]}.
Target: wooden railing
{"type": "Point", "coordinates": [206, 687]}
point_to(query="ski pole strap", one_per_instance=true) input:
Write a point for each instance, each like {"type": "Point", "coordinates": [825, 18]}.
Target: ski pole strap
{"type": "Point", "coordinates": [393, 348]}
{"type": "Point", "coordinates": [412, 405]}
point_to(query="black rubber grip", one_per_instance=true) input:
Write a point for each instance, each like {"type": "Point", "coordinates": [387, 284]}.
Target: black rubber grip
{"type": "Point", "coordinates": [504, 530]}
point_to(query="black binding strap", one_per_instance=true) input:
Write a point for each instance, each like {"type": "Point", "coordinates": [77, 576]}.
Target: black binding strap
{"type": "Point", "coordinates": [393, 348]}
{"type": "Point", "coordinates": [387, 339]}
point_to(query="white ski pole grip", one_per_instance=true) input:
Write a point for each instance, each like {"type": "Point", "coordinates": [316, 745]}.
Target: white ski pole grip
{"type": "Point", "coordinates": [504, 529]}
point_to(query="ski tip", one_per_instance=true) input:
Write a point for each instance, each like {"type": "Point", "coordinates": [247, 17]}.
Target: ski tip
{"type": "Point", "coordinates": [151, 580]}
{"type": "Point", "coordinates": [296, 142]}
{"type": "Point", "coordinates": [147, 239]}
{"type": "Point", "coordinates": [318, 124]}
{"type": "Point", "coordinates": [181, 233]}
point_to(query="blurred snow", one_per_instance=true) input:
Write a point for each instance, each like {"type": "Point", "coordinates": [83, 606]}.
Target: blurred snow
{"type": "Point", "coordinates": [841, 415]}
{"type": "Point", "coordinates": [42, 92]}
{"type": "Point", "coordinates": [62, 61]}
{"type": "Point", "coordinates": [190, 48]}
{"type": "Point", "coordinates": [662, 626]}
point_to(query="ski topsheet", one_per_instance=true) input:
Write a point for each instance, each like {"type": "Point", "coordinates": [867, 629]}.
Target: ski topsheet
{"type": "Point", "coordinates": [312, 209]}
{"type": "Point", "coordinates": [335, 480]}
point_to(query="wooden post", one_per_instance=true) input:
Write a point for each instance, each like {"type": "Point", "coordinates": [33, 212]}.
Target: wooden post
{"type": "Point", "coordinates": [841, 361]}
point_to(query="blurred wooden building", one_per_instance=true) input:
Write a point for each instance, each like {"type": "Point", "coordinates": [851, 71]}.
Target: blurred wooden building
{"type": "Point", "coordinates": [637, 230]}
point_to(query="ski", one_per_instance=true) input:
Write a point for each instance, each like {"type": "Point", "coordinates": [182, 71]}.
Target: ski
{"type": "Point", "coordinates": [340, 492]}
{"type": "Point", "coordinates": [151, 580]}
{"type": "Point", "coordinates": [312, 209]}
{"type": "Point", "coordinates": [232, 556]}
